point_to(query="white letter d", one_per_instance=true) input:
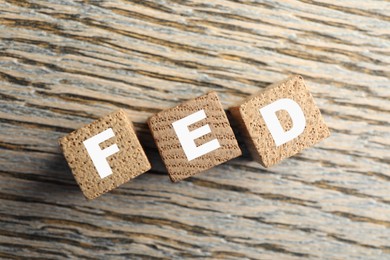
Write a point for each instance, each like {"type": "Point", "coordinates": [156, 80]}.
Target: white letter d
{"type": "Point", "coordinates": [271, 120]}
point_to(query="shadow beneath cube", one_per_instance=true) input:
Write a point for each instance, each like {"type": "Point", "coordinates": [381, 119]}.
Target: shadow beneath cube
{"type": "Point", "coordinates": [147, 141]}
{"type": "Point", "coordinates": [54, 180]}
{"type": "Point", "coordinates": [246, 156]}
{"type": "Point", "coordinates": [151, 150]}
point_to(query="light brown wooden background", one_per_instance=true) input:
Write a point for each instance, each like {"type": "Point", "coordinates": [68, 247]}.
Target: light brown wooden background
{"type": "Point", "coordinates": [65, 63]}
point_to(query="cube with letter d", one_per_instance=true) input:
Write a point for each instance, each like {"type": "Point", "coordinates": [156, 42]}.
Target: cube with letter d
{"type": "Point", "coordinates": [280, 121]}
{"type": "Point", "coordinates": [104, 154]}
{"type": "Point", "coordinates": [194, 136]}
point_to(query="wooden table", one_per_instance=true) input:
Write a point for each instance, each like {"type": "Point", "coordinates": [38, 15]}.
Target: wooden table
{"type": "Point", "coordinates": [66, 63]}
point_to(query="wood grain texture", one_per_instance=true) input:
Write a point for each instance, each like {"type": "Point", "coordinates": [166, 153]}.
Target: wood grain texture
{"type": "Point", "coordinates": [65, 63]}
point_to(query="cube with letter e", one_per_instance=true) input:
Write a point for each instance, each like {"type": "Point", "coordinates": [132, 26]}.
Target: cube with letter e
{"type": "Point", "coordinates": [104, 154]}
{"type": "Point", "coordinates": [194, 136]}
{"type": "Point", "coordinates": [280, 121]}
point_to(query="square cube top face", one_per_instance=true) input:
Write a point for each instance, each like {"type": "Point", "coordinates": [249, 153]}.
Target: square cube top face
{"type": "Point", "coordinates": [194, 136]}
{"type": "Point", "coordinates": [256, 114]}
{"type": "Point", "coordinates": [104, 154]}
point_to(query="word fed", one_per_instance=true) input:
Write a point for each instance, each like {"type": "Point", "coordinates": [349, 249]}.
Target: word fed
{"type": "Point", "coordinates": [278, 122]}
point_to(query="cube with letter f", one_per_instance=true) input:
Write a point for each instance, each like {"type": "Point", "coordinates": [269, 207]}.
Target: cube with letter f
{"type": "Point", "coordinates": [194, 136]}
{"type": "Point", "coordinates": [104, 154]}
{"type": "Point", "coordinates": [280, 121]}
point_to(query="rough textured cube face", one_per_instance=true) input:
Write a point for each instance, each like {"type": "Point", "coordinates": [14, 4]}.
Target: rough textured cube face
{"type": "Point", "coordinates": [280, 121]}
{"type": "Point", "coordinates": [194, 136]}
{"type": "Point", "coordinates": [104, 154]}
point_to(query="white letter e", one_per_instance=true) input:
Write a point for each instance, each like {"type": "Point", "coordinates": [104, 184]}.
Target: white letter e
{"type": "Point", "coordinates": [187, 137]}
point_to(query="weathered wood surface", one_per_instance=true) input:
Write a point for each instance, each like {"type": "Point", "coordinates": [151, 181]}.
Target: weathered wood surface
{"type": "Point", "coordinates": [66, 63]}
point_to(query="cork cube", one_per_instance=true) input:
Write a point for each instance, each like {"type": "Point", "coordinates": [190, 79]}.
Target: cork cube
{"type": "Point", "coordinates": [280, 121]}
{"type": "Point", "coordinates": [104, 154]}
{"type": "Point", "coordinates": [194, 136]}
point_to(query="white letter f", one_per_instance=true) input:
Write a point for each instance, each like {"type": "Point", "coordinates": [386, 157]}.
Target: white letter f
{"type": "Point", "coordinates": [98, 155]}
